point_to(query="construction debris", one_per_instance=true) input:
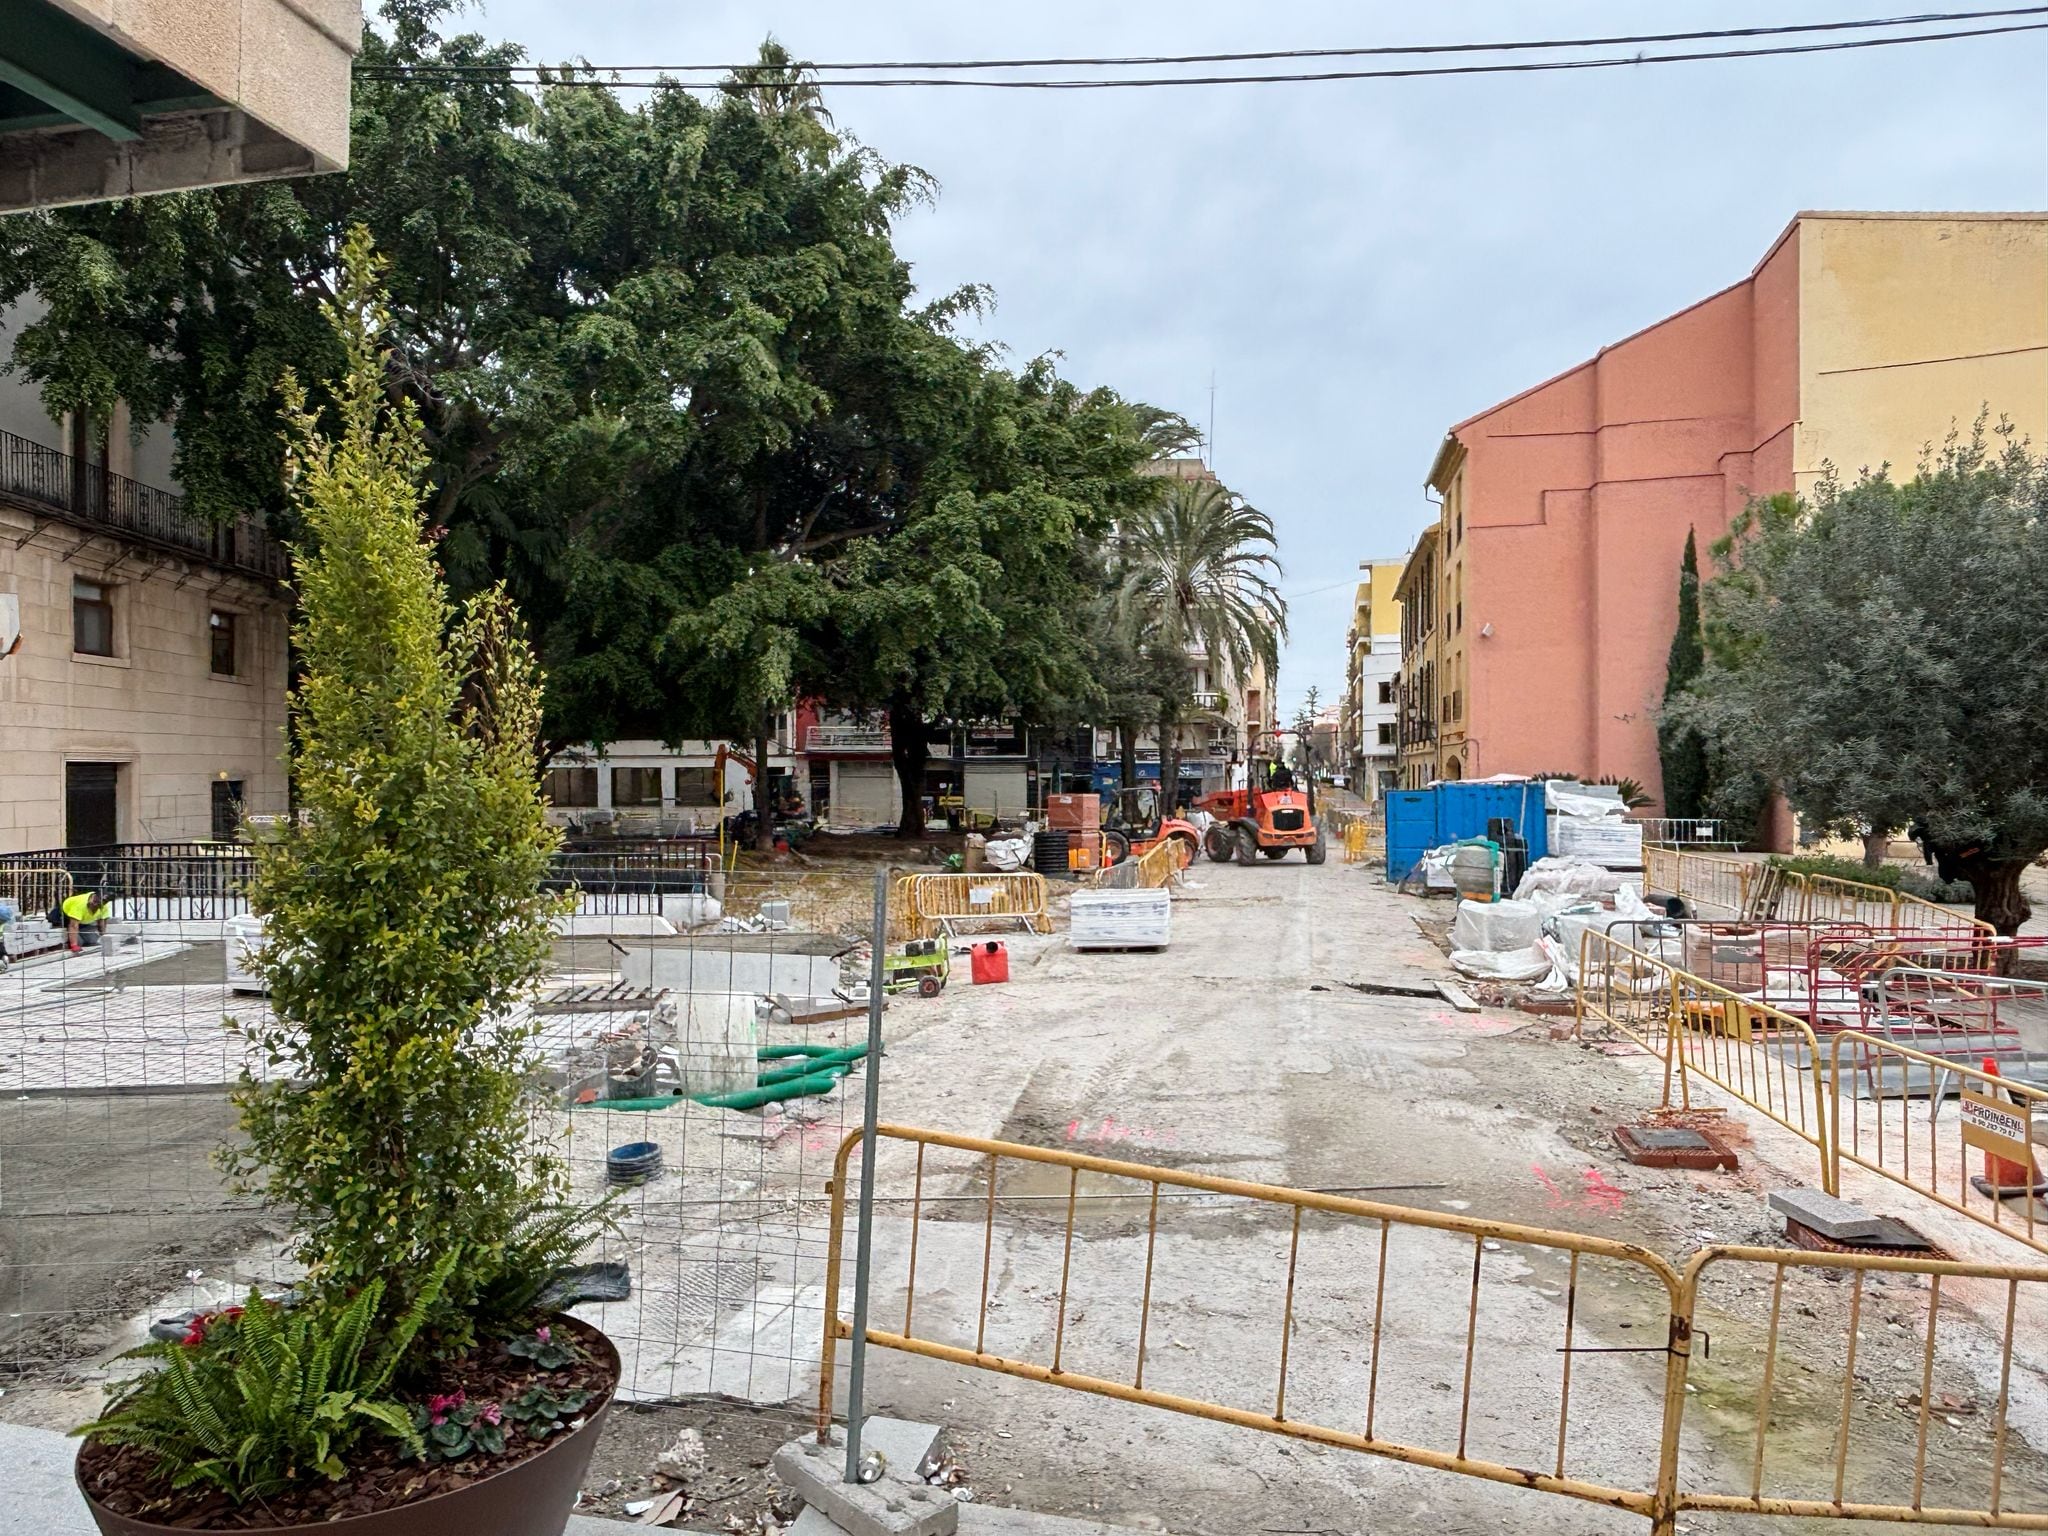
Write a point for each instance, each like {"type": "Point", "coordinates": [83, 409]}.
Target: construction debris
{"type": "Point", "coordinates": [1652, 1146]}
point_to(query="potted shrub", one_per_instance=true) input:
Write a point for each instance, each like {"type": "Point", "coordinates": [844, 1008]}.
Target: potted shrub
{"type": "Point", "coordinates": [411, 1381]}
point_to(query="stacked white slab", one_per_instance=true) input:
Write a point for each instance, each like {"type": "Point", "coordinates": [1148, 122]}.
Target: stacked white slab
{"type": "Point", "coordinates": [1588, 823]}
{"type": "Point", "coordinates": [1120, 919]}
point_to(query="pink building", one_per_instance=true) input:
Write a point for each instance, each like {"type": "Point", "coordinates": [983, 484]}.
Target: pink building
{"type": "Point", "coordinates": [1554, 564]}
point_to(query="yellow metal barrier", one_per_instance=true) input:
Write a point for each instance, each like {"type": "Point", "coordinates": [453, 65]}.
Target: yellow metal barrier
{"type": "Point", "coordinates": [1857, 1472]}
{"type": "Point", "coordinates": [932, 903]}
{"type": "Point", "coordinates": [1329, 1246]}
{"type": "Point", "coordinates": [1827, 899]}
{"type": "Point", "coordinates": [1767, 1059]}
{"type": "Point", "coordinates": [1702, 880]}
{"type": "Point", "coordinates": [1088, 1315]}
{"type": "Point", "coordinates": [1160, 865]}
{"type": "Point", "coordinates": [1879, 1086]}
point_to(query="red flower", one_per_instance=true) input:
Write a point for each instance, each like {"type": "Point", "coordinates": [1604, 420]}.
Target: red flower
{"type": "Point", "coordinates": [440, 1405]}
{"type": "Point", "coordinates": [491, 1413]}
{"type": "Point", "coordinates": [541, 1334]}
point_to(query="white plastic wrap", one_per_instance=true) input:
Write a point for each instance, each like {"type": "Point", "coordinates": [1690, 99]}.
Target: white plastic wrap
{"type": "Point", "coordinates": [1607, 840]}
{"type": "Point", "coordinates": [1570, 876]}
{"type": "Point", "coordinates": [1007, 854]}
{"type": "Point", "coordinates": [1495, 925]}
{"type": "Point", "coordinates": [245, 939]}
{"type": "Point", "coordinates": [1527, 964]}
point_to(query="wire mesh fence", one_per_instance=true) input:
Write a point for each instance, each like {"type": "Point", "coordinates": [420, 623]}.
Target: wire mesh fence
{"type": "Point", "coordinates": [699, 1048]}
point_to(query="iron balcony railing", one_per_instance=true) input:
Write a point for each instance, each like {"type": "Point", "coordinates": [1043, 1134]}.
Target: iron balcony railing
{"type": "Point", "coordinates": [205, 881]}
{"type": "Point", "coordinates": [64, 486]}
{"type": "Point", "coordinates": [846, 738]}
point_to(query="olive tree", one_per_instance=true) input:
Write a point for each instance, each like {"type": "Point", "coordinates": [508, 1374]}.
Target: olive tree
{"type": "Point", "coordinates": [1871, 651]}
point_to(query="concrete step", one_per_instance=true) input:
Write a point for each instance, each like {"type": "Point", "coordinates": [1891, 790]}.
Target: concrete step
{"type": "Point", "coordinates": [975, 1520]}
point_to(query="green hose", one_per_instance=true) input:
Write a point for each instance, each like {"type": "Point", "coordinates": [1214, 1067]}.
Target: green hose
{"type": "Point", "coordinates": [820, 1069]}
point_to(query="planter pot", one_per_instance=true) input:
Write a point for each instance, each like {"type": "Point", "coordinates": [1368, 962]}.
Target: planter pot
{"type": "Point", "coordinates": [532, 1497]}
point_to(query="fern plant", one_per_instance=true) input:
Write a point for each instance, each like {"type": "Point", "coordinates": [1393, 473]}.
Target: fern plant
{"type": "Point", "coordinates": [263, 1396]}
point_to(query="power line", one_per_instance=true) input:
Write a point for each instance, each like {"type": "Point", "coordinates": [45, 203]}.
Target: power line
{"type": "Point", "coordinates": [584, 75]}
{"type": "Point", "coordinates": [1135, 60]}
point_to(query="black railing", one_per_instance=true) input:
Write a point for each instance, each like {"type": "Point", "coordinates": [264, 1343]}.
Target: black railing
{"type": "Point", "coordinates": [62, 485]}
{"type": "Point", "coordinates": [207, 882]}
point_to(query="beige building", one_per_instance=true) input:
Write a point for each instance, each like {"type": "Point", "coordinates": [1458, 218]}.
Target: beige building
{"type": "Point", "coordinates": [1538, 608]}
{"type": "Point", "coordinates": [1369, 728]}
{"type": "Point", "coordinates": [142, 652]}
{"type": "Point", "coordinates": [117, 98]}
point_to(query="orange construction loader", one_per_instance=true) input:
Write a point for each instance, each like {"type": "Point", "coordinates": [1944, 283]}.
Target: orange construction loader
{"type": "Point", "coordinates": [1273, 821]}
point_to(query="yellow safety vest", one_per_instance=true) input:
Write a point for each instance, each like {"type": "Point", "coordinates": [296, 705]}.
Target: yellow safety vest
{"type": "Point", "coordinates": [81, 908]}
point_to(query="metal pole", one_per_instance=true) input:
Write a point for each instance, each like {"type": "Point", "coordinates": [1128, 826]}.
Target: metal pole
{"type": "Point", "coordinates": [864, 1243]}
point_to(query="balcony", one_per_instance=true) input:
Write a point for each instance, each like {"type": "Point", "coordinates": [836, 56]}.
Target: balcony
{"type": "Point", "coordinates": [59, 485]}
{"type": "Point", "coordinates": [846, 738]}
{"type": "Point", "coordinates": [1207, 700]}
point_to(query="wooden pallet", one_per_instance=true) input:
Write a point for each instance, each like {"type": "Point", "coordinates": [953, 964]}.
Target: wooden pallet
{"type": "Point", "coordinates": [597, 997]}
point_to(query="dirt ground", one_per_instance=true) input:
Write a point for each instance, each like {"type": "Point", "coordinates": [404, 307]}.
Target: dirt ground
{"type": "Point", "coordinates": [111, 1199]}
{"type": "Point", "coordinates": [1247, 1051]}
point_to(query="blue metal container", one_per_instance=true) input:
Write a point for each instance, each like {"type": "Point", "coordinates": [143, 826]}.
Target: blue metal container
{"type": "Point", "coordinates": [1421, 819]}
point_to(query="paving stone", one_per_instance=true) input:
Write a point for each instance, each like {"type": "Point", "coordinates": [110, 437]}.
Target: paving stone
{"type": "Point", "coordinates": [1825, 1214]}
{"type": "Point", "coordinates": [889, 1507]}
{"type": "Point", "coordinates": [905, 1446]}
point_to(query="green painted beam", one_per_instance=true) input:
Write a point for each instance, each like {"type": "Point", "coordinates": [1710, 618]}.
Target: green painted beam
{"type": "Point", "coordinates": [63, 63]}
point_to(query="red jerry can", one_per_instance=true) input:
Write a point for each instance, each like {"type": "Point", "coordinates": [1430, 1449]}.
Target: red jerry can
{"type": "Point", "coordinates": [991, 962]}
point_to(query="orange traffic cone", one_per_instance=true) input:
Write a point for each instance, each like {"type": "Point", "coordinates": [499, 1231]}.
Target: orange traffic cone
{"type": "Point", "coordinates": [2003, 1179]}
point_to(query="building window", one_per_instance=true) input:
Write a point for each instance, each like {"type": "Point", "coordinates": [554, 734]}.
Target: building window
{"type": "Point", "coordinates": [227, 809]}
{"type": "Point", "coordinates": [221, 630]}
{"type": "Point", "coordinates": [636, 786]}
{"type": "Point", "coordinates": [696, 786]}
{"type": "Point", "coordinates": [92, 618]}
{"type": "Point", "coordinates": [570, 788]}
{"type": "Point", "coordinates": [1386, 692]}
{"type": "Point", "coordinates": [1386, 735]}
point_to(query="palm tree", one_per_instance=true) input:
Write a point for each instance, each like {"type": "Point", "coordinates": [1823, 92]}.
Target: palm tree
{"type": "Point", "coordinates": [1197, 579]}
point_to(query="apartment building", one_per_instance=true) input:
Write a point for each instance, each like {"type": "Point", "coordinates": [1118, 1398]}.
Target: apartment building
{"type": "Point", "coordinates": [1369, 731]}
{"type": "Point", "coordinates": [142, 651]}
{"type": "Point", "coordinates": [1538, 607]}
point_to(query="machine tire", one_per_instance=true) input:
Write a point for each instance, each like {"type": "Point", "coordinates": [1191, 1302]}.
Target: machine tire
{"type": "Point", "coordinates": [1115, 848]}
{"type": "Point", "coordinates": [1318, 850]}
{"type": "Point", "coordinates": [1247, 846]}
{"type": "Point", "coordinates": [929, 986]}
{"type": "Point", "coordinates": [1218, 842]}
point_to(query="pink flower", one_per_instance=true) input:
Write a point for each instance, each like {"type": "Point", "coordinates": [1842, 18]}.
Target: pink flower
{"type": "Point", "coordinates": [491, 1413]}
{"type": "Point", "coordinates": [541, 1334]}
{"type": "Point", "coordinates": [440, 1405]}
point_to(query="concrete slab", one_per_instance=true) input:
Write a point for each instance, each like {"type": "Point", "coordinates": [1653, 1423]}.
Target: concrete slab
{"type": "Point", "coordinates": [905, 1445]}
{"type": "Point", "coordinates": [36, 1490]}
{"type": "Point", "coordinates": [889, 1506]}
{"type": "Point", "coordinates": [1825, 1214]}
{"type": "Point", "coordinates": [975, 1520]}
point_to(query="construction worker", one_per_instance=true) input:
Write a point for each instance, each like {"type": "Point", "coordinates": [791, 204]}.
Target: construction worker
{"type": "Point", "coordinates": [79, 913]}
{"type": "Point", "coordinates": [1279, 775]}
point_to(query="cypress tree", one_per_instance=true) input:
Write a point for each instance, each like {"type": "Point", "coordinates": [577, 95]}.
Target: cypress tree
{"type": "Point", "coordinates": [1681, 750]}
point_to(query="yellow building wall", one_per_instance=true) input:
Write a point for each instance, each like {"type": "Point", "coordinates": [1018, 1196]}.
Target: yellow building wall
{"type": "Point", "coordinates": [1384, 579]}
{"type": "Point", "coordinates": [1909, 323]}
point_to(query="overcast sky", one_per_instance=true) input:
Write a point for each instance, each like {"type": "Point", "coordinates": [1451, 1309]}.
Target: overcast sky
{"type": "Point", "coordinates": [1360, 264]}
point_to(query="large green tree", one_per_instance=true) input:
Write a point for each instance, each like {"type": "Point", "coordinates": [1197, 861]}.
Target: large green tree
{"type": "Point", "coordinates": [619, 326]}
{"type": "Point", "coordinates": [1870, 651]}
{"type": "Point", "coordinates": [671, 383]}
